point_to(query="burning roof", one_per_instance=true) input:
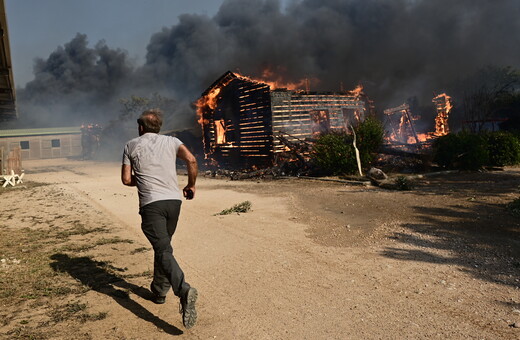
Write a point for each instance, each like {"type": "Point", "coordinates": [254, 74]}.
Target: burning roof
{"type": "Point", "coordinates": [245, 122]}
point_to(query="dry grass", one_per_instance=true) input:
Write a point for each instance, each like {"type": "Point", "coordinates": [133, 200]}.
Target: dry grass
{"type": "Point", "coordinates": [112, 240]}
{"type": "Point", "coordinates": [40, 266]}
{"type": "Point", "coordinates": [26, 267]}
{"type": "Point", "coordinates": [25, 186]}
{"type": "Point", "coordinates": [139, 250]}
{"type": "Point", "coordinates": [76, 311]}
{"type": "Point", "coordinates": [146, 273]}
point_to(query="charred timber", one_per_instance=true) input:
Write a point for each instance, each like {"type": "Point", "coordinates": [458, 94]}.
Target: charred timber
{"type": "Point", "coordinates": [406, 150]}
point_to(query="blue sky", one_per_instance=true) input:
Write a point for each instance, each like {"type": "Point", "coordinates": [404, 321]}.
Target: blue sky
{"type": "Point", "coordinates": [37, 27]}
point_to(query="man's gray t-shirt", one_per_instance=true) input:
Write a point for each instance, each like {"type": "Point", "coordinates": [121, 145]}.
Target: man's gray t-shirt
{"type": "Point", "coordinates": [152, 157]}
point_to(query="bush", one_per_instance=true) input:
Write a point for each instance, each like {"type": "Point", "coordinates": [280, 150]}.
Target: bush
{"type": "Point", "coordinates": [504, 149]}
{"type": "Point", "coordinates": [334, 154]}
{"type": "Point", "coordinates": [467, 151]}
{"type": "Point", "coordinates": [463, 151]}
{"type": "Point", "coordinates": [369, 137]}
{"type": "Point", "coordinates": [446, 150]}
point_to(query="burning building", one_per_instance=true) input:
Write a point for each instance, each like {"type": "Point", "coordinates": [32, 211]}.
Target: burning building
{"type": "Point", "coordinates": [246, 122]}
{"type": "Point", "coordinates": [400, 122]}
{"type": "Point", "coordinates": [443, 105]}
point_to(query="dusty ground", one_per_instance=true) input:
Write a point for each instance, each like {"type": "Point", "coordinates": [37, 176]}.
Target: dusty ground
{"type": "Point", "coordinates": [312, 260]}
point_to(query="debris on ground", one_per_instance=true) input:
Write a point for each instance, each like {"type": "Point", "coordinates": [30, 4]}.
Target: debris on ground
{"type": "Point", "coordinates": [237, 208]}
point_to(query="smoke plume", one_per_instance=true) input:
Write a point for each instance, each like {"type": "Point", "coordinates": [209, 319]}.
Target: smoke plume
{"type": "Point", "coordinates": [76, 83]}
{"type": "Point", "coordinates": [397, 49]}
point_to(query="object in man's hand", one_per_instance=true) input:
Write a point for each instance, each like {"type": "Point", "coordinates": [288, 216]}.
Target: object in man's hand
{"type": "Point", "coordinates": [189, 194]}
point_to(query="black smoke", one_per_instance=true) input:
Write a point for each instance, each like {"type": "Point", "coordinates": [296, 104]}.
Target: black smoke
{"type": "Point", "coordinates": [397, 49]}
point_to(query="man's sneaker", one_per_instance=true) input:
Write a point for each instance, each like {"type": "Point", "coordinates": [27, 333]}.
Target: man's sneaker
{"type": "Point", "coordinates": [158, 299]}
{"type": "Point", "coordinates": [189, 314]}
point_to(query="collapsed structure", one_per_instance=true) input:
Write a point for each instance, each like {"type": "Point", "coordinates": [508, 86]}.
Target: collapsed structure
{"type": "Point", "coordinates": [245, 122]}
{"type": "Point", "coordinates": [400, 121]}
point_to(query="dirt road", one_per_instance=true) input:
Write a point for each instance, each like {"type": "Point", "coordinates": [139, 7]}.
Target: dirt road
{"type": "Point", "coordinates": [312, 260]}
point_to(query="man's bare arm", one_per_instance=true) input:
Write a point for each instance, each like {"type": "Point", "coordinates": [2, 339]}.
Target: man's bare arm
{"type": "Point", "coordinates": [126, 175]}
{"type": "Point", "coordinates": [193, 169]}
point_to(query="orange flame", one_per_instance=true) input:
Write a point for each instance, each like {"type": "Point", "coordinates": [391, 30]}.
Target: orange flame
{"type": "Point", "coordinates": [444, 107]}
{"type": "Point", "coordinates": [220, 131]}
{"type": "Point", "coordinates": [274, 84]}
{"type": "Point", "coordinates": [209, 100]}
{"type": "Point", "coordinates": [358, 91]}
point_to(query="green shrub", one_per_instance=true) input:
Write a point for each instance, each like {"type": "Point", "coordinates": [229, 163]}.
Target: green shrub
{"type": "Point", "coordinates": [446, 150]}
{"type": "Point", "coordinates": [369, 137]}
{"type": "Point", "coordinates": [468, 151]}
{"type": "Point", "coordinates": [463, 151]}
{"type": "Point", "coordinates": [333, 154]}
{"type": "Point", "coordinates": [504, 148]}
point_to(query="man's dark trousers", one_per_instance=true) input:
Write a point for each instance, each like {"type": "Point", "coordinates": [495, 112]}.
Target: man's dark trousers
{"type": "Point", "coordinates": [158, 222]}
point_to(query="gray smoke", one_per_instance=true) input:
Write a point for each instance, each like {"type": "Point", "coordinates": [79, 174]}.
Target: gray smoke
{"type": "Point", "coordinates": [74, 84]}
{"type": "Point", "coordinates": [397, 49]}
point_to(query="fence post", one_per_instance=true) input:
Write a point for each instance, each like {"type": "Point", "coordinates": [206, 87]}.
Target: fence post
{"type": "Point", "coordinates": [14, 161]}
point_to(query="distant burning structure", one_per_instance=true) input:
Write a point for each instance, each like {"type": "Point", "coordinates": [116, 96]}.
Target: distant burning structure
{"type": "Point", "coordinates": [443, 104]}
{"type": "Point", "coordinates": [400, 121]}
{"type": "Point", "coordinates": [244, 121]}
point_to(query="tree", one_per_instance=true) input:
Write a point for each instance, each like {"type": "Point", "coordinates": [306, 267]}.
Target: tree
{"type": "Point", "coordinates": [120, 130]}
{"type": "Point", "coordinates": [132, 107]}
{"type": "Point", "coordinates": [509, 107]}
{"type": "Point", "coordinates": [484, 92]}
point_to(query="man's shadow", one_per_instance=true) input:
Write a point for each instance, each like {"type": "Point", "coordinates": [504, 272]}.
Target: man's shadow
{"type": "Point", "coordinates": [99, 277]}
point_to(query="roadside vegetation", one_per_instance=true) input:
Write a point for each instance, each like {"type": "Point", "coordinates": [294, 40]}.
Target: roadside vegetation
{"type": "Point", "coordinates": [474, 151]}
{"type": "Point", "coordinates": [334, 153]}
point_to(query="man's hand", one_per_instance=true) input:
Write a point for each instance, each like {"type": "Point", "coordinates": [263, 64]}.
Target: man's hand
{"type": "Point", "coordinates": [189, 192]}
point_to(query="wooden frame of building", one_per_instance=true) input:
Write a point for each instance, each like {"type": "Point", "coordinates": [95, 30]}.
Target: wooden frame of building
{"type": "Point", "coordinates": [241, 118]}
